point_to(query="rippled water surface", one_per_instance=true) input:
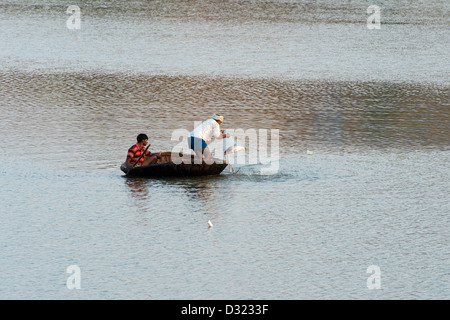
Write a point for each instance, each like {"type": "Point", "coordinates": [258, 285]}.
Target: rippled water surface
{"type": "Point", "coordinates": [361, 177]}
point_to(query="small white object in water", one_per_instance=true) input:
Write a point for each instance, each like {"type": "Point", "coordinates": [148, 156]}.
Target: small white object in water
{"type": "Point", "coordinates": [210, 224]}
{"type": "Point", "coordinates": [233, 149]}
{"type": "Point", "coordinates": [230, 146]}
{"type": "Point", "coordinates": [309, 152]}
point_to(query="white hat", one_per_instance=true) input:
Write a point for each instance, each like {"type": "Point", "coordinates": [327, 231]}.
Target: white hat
{"type": "Point", "coordinates": [218, 117]}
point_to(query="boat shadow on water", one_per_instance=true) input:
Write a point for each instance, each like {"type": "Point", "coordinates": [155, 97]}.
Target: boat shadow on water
{"type": "Point", "coordinates": [201, 191]}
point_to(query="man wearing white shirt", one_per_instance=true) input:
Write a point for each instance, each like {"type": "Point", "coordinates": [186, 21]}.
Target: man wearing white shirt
{"type": "Point", "coordinates": [200, 137]}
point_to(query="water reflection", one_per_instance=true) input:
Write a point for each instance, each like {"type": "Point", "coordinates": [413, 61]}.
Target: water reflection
{"type": "Point", "coordinates": [207, 195]}
{"type": "Point", "coordinates": [138, 191]}
{"type": "Point", "coordinates": [203, 191]}
{"type": "Point", "coordinates": [297, 39]}
{"type": "Point", "coordinates": [72, 113]}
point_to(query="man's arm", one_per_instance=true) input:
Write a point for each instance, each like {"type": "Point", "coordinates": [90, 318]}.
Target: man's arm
{"type": "Point", "coordinates": [128, 163]}
{"type": "Point", "coordinates": [223, 135]}
{"type": "Point", "coordinates": [154, 154]}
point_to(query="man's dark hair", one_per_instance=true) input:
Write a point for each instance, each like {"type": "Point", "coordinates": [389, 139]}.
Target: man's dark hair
{"type": "Point", "coordinates": [141, 137]}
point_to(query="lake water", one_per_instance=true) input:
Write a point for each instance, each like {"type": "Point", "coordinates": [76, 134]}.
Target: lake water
{"type": "Point", "coordinates": [361, 178]}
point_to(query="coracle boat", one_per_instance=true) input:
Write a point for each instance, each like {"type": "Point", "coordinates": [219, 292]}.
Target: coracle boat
{"type": "Point", "coordinates": [177, 165]}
